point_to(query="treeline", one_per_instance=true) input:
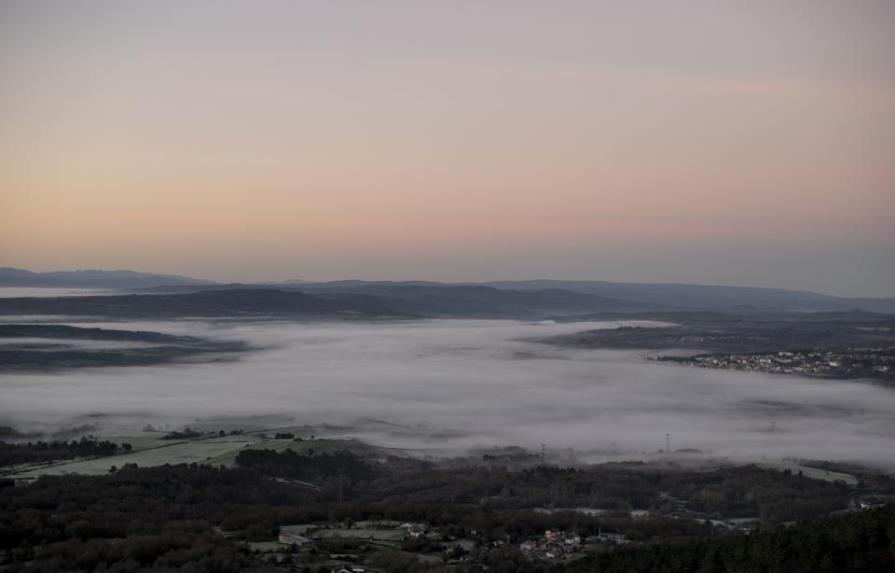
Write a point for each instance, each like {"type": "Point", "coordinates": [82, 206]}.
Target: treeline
{"type": "Point", "coordinates": [162, 518]}
{"type": "Point", "coordinates": [173, 548]}
{"type": "Point", "coordinates": [185, 434]}
{"type": "Point", "coordinates": [42, 452]}
{"type": "Point", "coordinates": [856, 542]}
{"type": "Point", "coordinates": [743, 491]}
{"type": "Point", "coordinates": [146, 519]}
{"type": "Point", "coordinates": [725, 492]}
{"type": "Point", "coordinates": [307, 465]}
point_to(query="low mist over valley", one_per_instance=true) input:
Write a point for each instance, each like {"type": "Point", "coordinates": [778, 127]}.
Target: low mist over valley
{"type": "Point", "coordinates": [366, 362]}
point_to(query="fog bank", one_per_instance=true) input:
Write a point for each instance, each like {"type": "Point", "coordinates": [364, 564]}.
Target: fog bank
{"type": "Point", "coordinates": [449, 385]}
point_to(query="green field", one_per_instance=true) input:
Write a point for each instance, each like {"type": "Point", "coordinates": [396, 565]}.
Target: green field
{"type": "Point", "coordinates": [170, 452]}
{"type": "Point", "coordinates": [149, 449]}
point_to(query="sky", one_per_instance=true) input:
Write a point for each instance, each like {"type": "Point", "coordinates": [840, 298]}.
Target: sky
{"type": "Point", "coordinates": [738, 142]}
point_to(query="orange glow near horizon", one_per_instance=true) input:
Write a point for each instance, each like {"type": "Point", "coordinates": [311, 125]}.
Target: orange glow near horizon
{"type": "Point", "coordinates": [752, 145]}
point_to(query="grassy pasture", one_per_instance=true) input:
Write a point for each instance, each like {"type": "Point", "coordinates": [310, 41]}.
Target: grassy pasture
{"type": "Point", "coordinates": [171, 452]}
{"type": "Point", "coordinates": [150, 450]}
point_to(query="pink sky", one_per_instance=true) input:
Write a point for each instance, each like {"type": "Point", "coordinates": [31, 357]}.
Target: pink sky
{"type": "Point", "coordinates": [740, 142]}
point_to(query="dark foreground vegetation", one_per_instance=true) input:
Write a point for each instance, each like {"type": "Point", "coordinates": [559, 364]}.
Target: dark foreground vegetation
{"type": "Point", "coordinates": [858, 542]}
{"type": "Point", "coordinates": [201, 518]}
{"type": "Point", "coordinates": [42, 452]}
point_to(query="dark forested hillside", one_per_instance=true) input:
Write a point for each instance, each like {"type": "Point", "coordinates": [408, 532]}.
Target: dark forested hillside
{"type": "Point", "coordinates": [256, 302]}
{"type": "Point", "coordinates": [200, 518]}
{"type": "Point", "coordinates": [400, 302]}
{"type": "Point", "coordinates": [852, 543]}
{"type": "Point", "coordinates": [25, 347]}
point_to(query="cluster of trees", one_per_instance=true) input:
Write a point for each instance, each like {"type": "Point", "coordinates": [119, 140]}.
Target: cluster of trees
{"type": "Point", "coordinates": [185, 434]}
{"type": "Point", "coordinates": [857, 542]}
{"type": "Point", "coordinates": [307, 465]}
{"type": "Point", "coordinates": [162, 518]}
{"type": "Point", "coordinates": [725, 492]}
{"type": "Point", "coordinates": [146, 501]}
{"type": "Point", "coordinates": [41, 452]}
{"type": "Point", "coordinates": [172, 548]}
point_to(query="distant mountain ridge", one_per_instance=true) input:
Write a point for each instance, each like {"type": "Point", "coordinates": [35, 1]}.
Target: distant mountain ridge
{"type": "Point", "coordinates": [712, 297]}
{"type": "Point", "coordinates": [246, 302]}
{"type": "Point", "coordinates": [451, 299]}
{"type": "Point", "coordinates": [394, 302]}
{"type": "Point", "coordinates": [485, 301]}
{"type": "Point", "coordinates": [92, 278]}
{"type": "Point", "coordinates": [691, 297]}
